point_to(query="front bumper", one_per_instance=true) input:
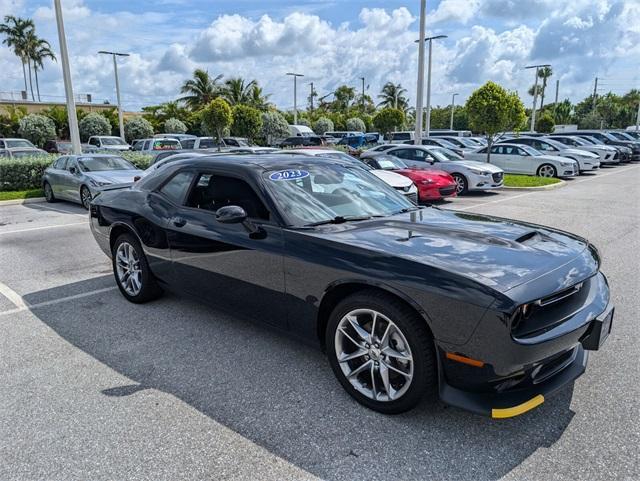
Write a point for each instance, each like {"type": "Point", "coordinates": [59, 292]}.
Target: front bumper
{"type": "Point", "coordinates": [427, 192]}
{"type": "Point", "coordinates": [485, 182]}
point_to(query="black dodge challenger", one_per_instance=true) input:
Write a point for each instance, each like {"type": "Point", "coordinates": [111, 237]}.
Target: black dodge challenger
{"type": "Point", "coordinates": [492, 314]}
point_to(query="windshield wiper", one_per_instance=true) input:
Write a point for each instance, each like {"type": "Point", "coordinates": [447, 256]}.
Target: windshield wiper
{"type": "Point", "coordinates": [407, 209]}
{"type": "Point", "coordinates": [339, 219]}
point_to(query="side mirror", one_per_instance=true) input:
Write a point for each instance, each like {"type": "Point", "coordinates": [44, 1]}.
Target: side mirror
{"type": "Point", "coordinates": [231, 214]}
{"type": "Point", "coordinates": [73, 170]}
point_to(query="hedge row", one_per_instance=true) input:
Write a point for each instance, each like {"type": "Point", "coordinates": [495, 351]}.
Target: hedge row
{"type": "Point", "coordinates": [26, 172]}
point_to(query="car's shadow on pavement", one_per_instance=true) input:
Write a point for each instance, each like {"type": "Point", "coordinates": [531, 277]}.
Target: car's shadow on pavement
{"type": "Point", "coordinates": [282, 394]}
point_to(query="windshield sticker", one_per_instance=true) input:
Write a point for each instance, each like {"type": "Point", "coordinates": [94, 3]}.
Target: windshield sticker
{"type": "Point", "coordinates": [289, 175]}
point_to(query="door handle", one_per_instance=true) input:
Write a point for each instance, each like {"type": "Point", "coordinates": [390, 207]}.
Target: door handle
{"type": "Point", "coordinates": [179, 221]}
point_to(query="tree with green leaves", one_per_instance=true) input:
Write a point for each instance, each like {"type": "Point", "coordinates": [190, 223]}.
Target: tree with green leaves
{"type": "Point", "coordinates": [258, 99]}
{"type": "Point", "coordinates": [343, 96]}
{"type": "Point", "coordinates": [39, 50]}
{"type": "Point", "coordinates": [274, 127]}
{"type": "Point", "coordinates": [387, 120]}
{"type": "Point", "coordinates": [323, 125]}
{"type": "Point", "coordinates": [544, 73]}
{"type": "Point", "coordinates": [10, 121]}
{"type": "Point", "coordinates": [545, 123]}
{"type": "Point", "coordinates": [217, 116]}
{"type": "Point", "coordinates": [174, 126]}
{"type": "Point", "coordinates": [563, 112]}
{"type": "Point", "coordinates": [137, 128]}
{"type": "Point", "coordinates": [394, 95]}
{"type": "Point", "coordinates": [15, 31]}
{"type": "Point", "coordinates": [356, 124]}
{"type": "Point", "coordinates": [200, 90]}
{"type": "Point", "coordinates": [247, 122]}
{"type": "Point", "coordinates": [492, 110]}
{"type": "Point", "coordinates": [93, 124]}
{"type": "Point", "coordinates": [37, 128]}
{"type": "Point", "coordinates": [236, 91]}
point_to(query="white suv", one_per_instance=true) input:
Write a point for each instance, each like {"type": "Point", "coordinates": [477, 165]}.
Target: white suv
{"type": "Point", "coordinates": [108, 142]}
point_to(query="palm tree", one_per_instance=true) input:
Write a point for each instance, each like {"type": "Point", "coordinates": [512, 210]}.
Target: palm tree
{"type": "Point", "coordinates": [544, 73]}
{"type": "Point", "coordinates": [393, 95]}
{"type": "Point", "coordinates": [15, 31]}
{"type": "Point", "coordinates": [200, 90]}
{"type": "Point", "coordinates": [236, 91]}
{"type": "Point", "coordinates": [258, 99]}
{"type": "Point", "coordinates": [40, 51]}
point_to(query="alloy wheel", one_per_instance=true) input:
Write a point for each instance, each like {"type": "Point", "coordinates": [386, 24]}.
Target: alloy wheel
{"type": "Point", "coordinates": [85, 197]}
{"type": "Point", "coordinates": [460, 184]}
{"type": "Point", "coordinates": [546, 171]}
{"type": "Point", "coordinates": [374, 355]}
{"type": "Point", "coordinates": [48, 193]}
{"type": "Point", "coordinates": [128, 269]}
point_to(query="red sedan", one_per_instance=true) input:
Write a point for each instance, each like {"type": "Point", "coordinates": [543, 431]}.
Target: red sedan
{"type": "Point", "coordinates": [432, 184]}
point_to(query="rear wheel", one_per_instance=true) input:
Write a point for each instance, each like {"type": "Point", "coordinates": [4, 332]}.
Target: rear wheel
{"type": "Point", "coordinates": [547, 170]}
{"type": "Point", "coordinates": [85, 197]}
{"type": "Point", "coordinates": [131, 269]}
{"type": "Point", "coordinates": [381, 352]}
{"type": "Point", "coordinates": [462, 186]}
{"type": "Point", "coordinates": [48, 193]}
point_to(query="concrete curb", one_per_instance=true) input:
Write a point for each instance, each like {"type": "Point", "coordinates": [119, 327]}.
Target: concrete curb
{"type": "Point", "coordinates": [34, 200]}
{"type": "Point", "coordinates": [557, 185]}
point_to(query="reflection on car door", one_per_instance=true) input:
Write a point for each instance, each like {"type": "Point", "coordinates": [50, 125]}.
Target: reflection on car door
{"type": "Point", "coordinates": [498, 158]}
{"type": "Point", "coordinates": [237, 266]}
{"type": "Point", "coordinates": [413, 157]}
{"type": "Point", "coordinates": [71, 182]}
{"type": "Point", "coordinates": [526, 163]}
{"type": "Point", "coordinates": [56, 176]}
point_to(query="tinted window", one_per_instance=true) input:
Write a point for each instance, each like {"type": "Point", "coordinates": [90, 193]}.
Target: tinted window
{"type": "Point", "coordinates": [176, 188]}
{"type": "Point", "coordinates": [401, 136]}
{"type": "Point", "coordinates": [188, 143]}
{"type": "Point", "coordinates": [207, 143]}
{"type": "Point", "coordinates": [212, 192]}
{"type": "Point", "coordinates": [166, 144]}
{"type": "Point", "coordinates": [60, 163]}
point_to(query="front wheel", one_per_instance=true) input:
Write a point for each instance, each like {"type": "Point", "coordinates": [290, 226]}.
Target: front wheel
{"type": "Point", "coordinates": [462, 186]}
{"type": "Point", "coordinates": [547, 170]}
{"type": "Point", "coordinates": [85, 197]}
{"type": "Point", "coordinates": [48, 193]}
{"type": "Point", "coordinates": [132, 272]}
{"type": "Point", "coordinates": [381, 352]}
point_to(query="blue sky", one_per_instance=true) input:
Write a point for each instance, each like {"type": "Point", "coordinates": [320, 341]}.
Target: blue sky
{"type": "Point", "coordinates": [336, 42]}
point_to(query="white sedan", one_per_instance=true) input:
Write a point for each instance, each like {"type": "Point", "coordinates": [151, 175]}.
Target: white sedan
{"type": "Point", "coordinates": [522, 159]}
{"type": "Point", "coordinates": [468, 174]}
{"type": "Point", "coordinates": [402, 184]}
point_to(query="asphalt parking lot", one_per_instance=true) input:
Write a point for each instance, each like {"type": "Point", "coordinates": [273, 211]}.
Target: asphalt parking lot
{"type": "Point", "coordinates": [93, 387]}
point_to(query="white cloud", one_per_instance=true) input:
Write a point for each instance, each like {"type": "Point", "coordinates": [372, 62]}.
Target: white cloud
{"type": "Point", "coordinates": [454, 11]}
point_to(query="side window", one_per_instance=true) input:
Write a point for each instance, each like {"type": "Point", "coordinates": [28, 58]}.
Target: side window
{"type": "Point", "coordinates": [522, 152]}
{"type": "Point", "coordinates": [188, 143]}
{"type": "Point", "coordinates": [403, 153]}
{"type": "Point", "coordinates": [146, 145]}
{"type": "Point", "coordinates": [61, 163]}
{"type": "Point", "coordinates": [176, 188]}
{"type": "Point", "coordinates": [496, 149]}
{"type": "Point", "coordinates": [212, 192]}
{"type": "Point", "coordinates": [71, 163]}
{"type": "Point", "coordinates": [93, 141]}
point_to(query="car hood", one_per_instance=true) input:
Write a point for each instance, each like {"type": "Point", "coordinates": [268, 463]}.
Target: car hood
{"type": "Point", "coordinates": [421, 174]}
{"type": "Point", "coordinates": [114, 176]}
{"type": "Point", "coordinates": [496, 252]}
{"type": "Point", "coordinates": [474, 164]}
{"type": "Point", "coordinates": [391, 178]}
{"type": "Point", "coordinates": [557, 158]}
{"type": "Point", "coordinates": [582, 153]}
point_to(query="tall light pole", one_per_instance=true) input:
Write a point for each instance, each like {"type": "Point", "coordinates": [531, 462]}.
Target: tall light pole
{"type": "Point", "coordinates": [535, 94]}
{"type": "Point", "coordinates": [362, 99]}
{"type": "Point", "coordinates": [68, 86]}
{"type": "Point", "coordinates": [453, 104]}
{"type": "Point", "coordinates": [638, 119]}
{"type": "Point", "coordinates": [115, 70]}
{"type": "Point", "coordinates": [427, 126]}
{"type": "Point", "coordinates": [418, 132]}
{"type": "Point", "coordinates": [313, 92]}
{"type": "Point", "coordinates": [295, 95]}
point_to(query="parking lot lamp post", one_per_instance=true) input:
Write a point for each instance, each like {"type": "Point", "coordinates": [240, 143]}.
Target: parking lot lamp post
{"type": "Point", "coordinates": [535, 94]}
{"type": "Point", "coordinates": [68, 86]}
{"type": "Point", "coordinates": [453, 105]}
{"type": "Point", "coordinates": [419, 95]}
{"type": "Point", "coordinates": [362, 100]}
{"type": "Point", "coordinates": [115, 70]}
{"type": "Point", "coordinates": [638, 119]}
{"type": "Point", "coordinates": [427, 126]}
{"type": "Point", "coordinates": [295, 95]}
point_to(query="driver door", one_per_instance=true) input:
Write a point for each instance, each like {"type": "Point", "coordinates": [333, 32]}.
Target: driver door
{"type": "Point", "coordinates": [235, 266]}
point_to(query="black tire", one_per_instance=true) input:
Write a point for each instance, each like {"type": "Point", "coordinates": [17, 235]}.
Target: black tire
{"type": "Point", "coordinates": [85, 197]}
{"type": "Point", "coordinates": [549, 168]}
{"type": "Point", "coordinates": [150, 289]}
{"type": "Point", "coordinates": [424, 381]}
{"type": "Point", "coordinates": [48, 193]}
{"type": "Point", "coordinates": [462, 185]}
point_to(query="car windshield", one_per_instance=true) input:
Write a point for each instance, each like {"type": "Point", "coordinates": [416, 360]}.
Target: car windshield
{"type": "Point", "coordinates": [578, 140]}
{"type": "Point", "coordinates": [18, 143]}
{"type": "Point", "coordinates": [593, 140]}
{"type": "Point", "coordinates": [97, 164]}
{"type": "Point", "coordinates": [389, 162]}
{"type": "Point", "coordinates": [443, 155]}
{"type": "Point", "coordinates": [318, 194]}
{"type": "Point", "coordinates": [530, 150]}
{"type": "Point", "coordinates": [622, 136]}
{"type": "Point", "coordinates": [556, 144]}
{"type": "Point", "coordinates": [446, 143]}
{"type": "Point", "coordinates": [27, 153]}
{"type": "Point", "coordinates": [112, 141]}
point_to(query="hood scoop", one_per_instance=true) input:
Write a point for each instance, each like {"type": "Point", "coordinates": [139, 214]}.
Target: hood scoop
{"type": "Point", "coordinates": [527, 237]}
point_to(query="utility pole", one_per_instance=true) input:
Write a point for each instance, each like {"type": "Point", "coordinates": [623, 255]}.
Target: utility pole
{"type": "Point", "coordinates": [535, 95]}
{"type": "Point", "coordinates": [428, 116]}
{"type": "Point", "coordinates": [295, 95]}
{"type": "Point", "coordinates": [595, 94]}
{"type": "Point", "coordinates": [453, 104]}
{"type": "Point", "coordinates": [115, 70]}
{"type": "Point", "coordinates": [638, 119]}
{"type": "Point", "coordinates": [68, 86]}
{"type": "Point", "coordinates": [311, 97]}
{"type": "Point", "coordinates": [362, 78]}
{"type": "Point", "coordinates": [557, 89]}
{"type": "Point", "coordinates": [419, 95]}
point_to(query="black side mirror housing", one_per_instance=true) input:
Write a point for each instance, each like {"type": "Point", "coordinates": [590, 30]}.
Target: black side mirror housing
{"type": "Point", "coordinates": [231, 214]}
{"type": "Point", "coordinates": [72, 170]}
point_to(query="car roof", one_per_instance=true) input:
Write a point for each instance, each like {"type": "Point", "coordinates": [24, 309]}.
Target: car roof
{"type": "Point", "coordinates": [92, 155]}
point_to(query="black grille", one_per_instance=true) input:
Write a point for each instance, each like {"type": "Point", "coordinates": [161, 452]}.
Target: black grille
{"type": "Point", "coordinates": [497, 177]}
{"type": "Point", "coordinates": [412, 197]}
{"type": "Point", "coordinates": [447, 190]}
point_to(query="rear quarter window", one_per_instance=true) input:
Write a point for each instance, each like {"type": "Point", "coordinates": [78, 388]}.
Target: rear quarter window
{"type": "Point", "coordinates": [176, 188]}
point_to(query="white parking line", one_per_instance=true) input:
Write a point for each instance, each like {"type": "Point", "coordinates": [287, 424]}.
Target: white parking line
{"type": "Point", "coordinates": [43, 227]}
{"type": "Point", "coordinates": [574, 182]}
{"type": "Point", "coordinates": [84, 216]}
{"type": "Point", "coordinates": [22, 305]}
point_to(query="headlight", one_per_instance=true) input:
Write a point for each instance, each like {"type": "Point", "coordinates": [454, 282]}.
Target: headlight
{"type": "Point", "coordinates": [97, 183]}
{"type": "Point", "coordinates": [479, 172]}
{"type": "Point", "coordinates": [427, 182]}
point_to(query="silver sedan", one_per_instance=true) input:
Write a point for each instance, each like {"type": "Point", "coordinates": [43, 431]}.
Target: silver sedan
{"type": "Point", "coordinates": [78, 178]}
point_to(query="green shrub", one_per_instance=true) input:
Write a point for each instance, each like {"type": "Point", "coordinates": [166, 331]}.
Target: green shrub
{"type": "Point", "coordinates": [174, 126]}
{"type": "Point", "coordinates": [247, 122]}
{"type": "Point", "coordinates": [274, 127]}
{"type": "Point", "coordinates": [137, 128]}
{"type": "Point", "coordinates": [323, 125]}
{"type": "Point", "coordinates": [545, 123]}
{"type": "Point", "coordinates": [37, 128]}
{"type": "Point", "coordinates": [93, 124]}
{"type": "Point", "coordinates": [355, 123]}
{"type": "Point", "coordinates": [24, 173]}
{"type": "Point", "coordinates": [139, 159]}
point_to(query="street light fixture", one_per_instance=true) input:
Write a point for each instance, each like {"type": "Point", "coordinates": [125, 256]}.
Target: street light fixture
{"type": "Point", "coordinates": [68, 86]}
{"type": "Point", "coordinates": [428, 119]}
{"type": "Point", "coordinates": [115, 70]}
{"type": "Point", "coordinates": [535, 93]}
{"type": "Point", "coordinates": [453, 103]}
{"type": "Point", "coordinates": [295, 95]}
